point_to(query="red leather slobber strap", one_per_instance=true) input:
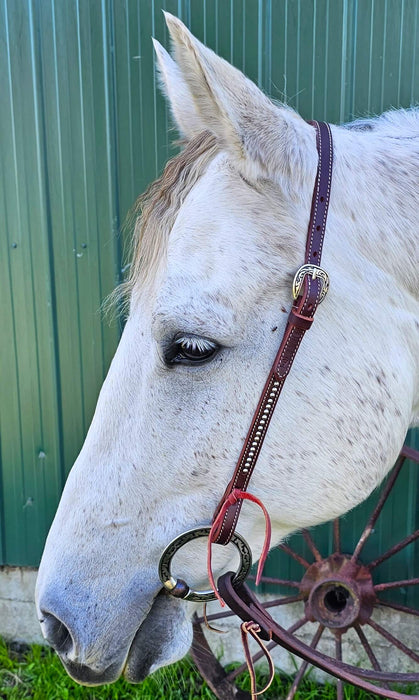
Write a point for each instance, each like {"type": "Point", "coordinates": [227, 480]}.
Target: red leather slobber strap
{"type": "Point", "coordinates": [299, 321]}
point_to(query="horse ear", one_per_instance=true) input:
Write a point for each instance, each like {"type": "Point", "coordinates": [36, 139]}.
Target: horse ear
{"type": "Point", "coordinates": [177, 91]}
{"type": "Point", "coordinates": [267, 138]}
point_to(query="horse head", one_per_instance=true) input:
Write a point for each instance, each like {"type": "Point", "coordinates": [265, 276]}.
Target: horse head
{"type": "Point", "coordinates": [217, 244]}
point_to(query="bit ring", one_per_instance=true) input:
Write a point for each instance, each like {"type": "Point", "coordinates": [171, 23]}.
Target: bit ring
{"type": "Point", "coordinates": [178, 587]}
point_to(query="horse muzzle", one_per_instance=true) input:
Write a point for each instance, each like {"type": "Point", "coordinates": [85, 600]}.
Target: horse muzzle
{"type": "Point", "coordinates": [163, 637]}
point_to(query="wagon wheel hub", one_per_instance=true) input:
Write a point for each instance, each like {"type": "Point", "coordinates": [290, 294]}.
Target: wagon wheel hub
{"type": "Point", "coordinates": [338, 592]}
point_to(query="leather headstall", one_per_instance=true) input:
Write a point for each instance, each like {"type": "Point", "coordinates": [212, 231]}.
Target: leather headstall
{"type": "Point", "coordinates": [309, 288]}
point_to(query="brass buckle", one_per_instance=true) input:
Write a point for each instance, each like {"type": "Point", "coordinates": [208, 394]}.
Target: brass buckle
{"type": "Point", "coordinates": [317, 273]}
{"type": "Point", "coordinates": [178, 587]}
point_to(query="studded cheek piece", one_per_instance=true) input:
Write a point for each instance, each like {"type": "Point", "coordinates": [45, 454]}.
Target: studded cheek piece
{"type": "Point", "coordinates": [309, 289]}
{"type": "Point", "coordinates": [310, 286]}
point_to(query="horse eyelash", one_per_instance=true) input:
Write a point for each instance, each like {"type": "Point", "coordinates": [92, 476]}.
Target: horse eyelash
{"type": "Point", "coordinates": [195, 343]}
{"type": "Point", "coordinates": [187, 343]}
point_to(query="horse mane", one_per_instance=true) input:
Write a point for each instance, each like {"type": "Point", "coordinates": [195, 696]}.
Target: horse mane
{"type": "Point", "coordinates": [154, 213]}
{"type": "Point", "coordinates": [395, 123]}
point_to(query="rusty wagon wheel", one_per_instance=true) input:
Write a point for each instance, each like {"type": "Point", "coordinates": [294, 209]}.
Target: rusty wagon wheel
{"type": "Point", "coordinates": [339, 595]}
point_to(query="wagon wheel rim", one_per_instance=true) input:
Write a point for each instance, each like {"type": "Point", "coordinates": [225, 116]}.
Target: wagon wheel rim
{"type": "Point", "coordinates": [346, 586]}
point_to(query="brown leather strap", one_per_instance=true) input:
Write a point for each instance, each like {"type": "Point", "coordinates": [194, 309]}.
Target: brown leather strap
{"type": "Point", "coordinates": [299, 321]}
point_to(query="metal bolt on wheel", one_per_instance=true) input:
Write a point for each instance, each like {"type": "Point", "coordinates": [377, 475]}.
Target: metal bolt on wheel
{"type": "Point", "coordinates": [339, 595]}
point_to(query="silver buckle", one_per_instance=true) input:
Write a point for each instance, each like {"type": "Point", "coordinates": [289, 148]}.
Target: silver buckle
{"type": "Point", "coordinates": [316, 272]}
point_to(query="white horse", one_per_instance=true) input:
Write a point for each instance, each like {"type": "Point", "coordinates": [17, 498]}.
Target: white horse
{"type": "Point", "coordinates": [220, 238]}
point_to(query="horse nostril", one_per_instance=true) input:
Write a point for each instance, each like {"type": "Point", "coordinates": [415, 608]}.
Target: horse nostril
{"type": "Point", "coordinates": [56, 633]}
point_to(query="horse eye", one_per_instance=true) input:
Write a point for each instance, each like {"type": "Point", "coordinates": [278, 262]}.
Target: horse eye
{"type": "Point", "coordinates": [191, 350]}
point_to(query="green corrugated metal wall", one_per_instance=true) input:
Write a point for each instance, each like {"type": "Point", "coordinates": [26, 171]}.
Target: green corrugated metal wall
{"type": "Point", "coordinates": [82, 131]}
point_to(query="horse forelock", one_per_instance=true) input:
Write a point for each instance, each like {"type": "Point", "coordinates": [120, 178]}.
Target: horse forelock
{"type": "Point", "coordinates": [155, 211]}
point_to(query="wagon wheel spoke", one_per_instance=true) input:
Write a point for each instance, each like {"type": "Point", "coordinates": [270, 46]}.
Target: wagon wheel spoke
{"type": "Point", "coordinates": [297, 625]}
{"type": "Point", "coordinates": [301, 671]}
{"type": "Point", "coordinates": [215, 616]}
{"type": "Point", "coordinates": [397, 606]}
{"type": "Point", "coordinates": [393, 550]}
{"type": "Point", "coordinates": [211, 669]}
{"type": "Point", "coordinates": [312, 547]}
{"type": "Point", "coordinates": [283, 601]}
{"type": "Point", "coordinates": [276, 581]}
{"type": "Point", "coordinates": [372, 657]}
{"type": "Point", "coordinates": [365, 643]}
{"type": "Point", "coordinates": [410, 453]}
{"type": "Point", "coordinates": [378, 508]}
{"type": "Point", "coordinates": [294, 555]}
{"type": "Point", "coordinates": [396, 584]}
{"type": "Point", "coordinates": [336, 535]}
{"type": "Point", "coordinates": [338, 655]}
{"type": "Point", "coordinates": [393, 640]}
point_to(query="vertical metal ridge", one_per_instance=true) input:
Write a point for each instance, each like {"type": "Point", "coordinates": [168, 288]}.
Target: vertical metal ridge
{"type": "Point", "coordinates": [370, 55]}
{"type": "Point", "coordinates": [18, 467]}
{"type": "Point", "coordinates": [130, 108]}
{"type": "Point", "coordinates": [415, 58]}
{"type": "Point", "coordinates": [41, 194]}
{"type": "Point", "coordinates": [401, 34]}
{"type": "Point", "coordinates": [115, 143]}
{"type": "Point", "coordinates": [155, 86]}
{"type": "Point", "coordinates": [342, 109]}
{"type": "Point", "coordinates": [52, 273]}
{"type": "Point", "coordinates": [110, 81]}
{"type": "Point", "coordinates": [383, 78]}
{"type": "Point", "coordinates": [298, 67]}
{"type": "Point", "coordinates": [267, 47]}
{"type": "Point", "coordinates": [326, 61]}
{"type": "Point", "coordinates": [260, 41]}
{"type": "Point", "coordinates": [352, 77]}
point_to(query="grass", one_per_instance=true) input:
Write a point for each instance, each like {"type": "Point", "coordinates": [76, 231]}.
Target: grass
{"type": "Point", "coordinates": [35, 672]}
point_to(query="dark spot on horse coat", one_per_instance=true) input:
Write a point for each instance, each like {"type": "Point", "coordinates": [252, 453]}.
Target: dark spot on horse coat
{"type": "Point", "coordinates": [361, 126]}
